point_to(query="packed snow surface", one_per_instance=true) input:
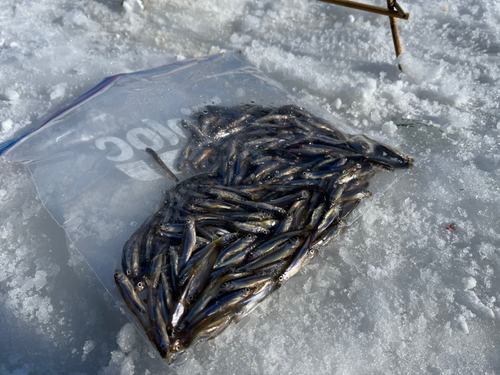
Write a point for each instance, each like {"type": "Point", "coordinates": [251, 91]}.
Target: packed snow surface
{"type": "Point", "coordinates": [412, 286]}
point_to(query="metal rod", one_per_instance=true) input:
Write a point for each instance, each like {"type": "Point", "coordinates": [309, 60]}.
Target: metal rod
{"type": "Point", "coordinates": [370, 8]}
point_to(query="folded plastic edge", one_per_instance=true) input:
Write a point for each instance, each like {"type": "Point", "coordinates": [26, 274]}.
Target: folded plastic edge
{"type": "Point", "coordinates": [100, 87]}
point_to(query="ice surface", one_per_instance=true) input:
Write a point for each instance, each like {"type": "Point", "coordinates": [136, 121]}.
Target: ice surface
{"type": "Point", "coordinates": [398, 293]}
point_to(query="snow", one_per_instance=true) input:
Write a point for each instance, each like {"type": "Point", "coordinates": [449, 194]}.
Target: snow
{"type": "Point", "coordinates": [398, 292]}
{"type": "Point", "coordinates": [389, 127]}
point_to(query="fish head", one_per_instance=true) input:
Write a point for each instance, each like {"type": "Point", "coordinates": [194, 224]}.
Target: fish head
{"type": "Point", "coordinates": [282, 278]}
{"type": "Point", "coordinates": [250, 237]}
{"type": "Point", "coordinates": [139, 286]}
{"type": "Point", "coordinates": [192, 297]}
{"type": "Point", "coordinates": [190, 221]}
{"type": "Point", "coordinates": [120, 276]}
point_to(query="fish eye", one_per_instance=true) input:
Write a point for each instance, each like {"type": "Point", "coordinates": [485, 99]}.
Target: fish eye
{"type": "Point", "coordinates": [191, 297]}
{"type": "Point", "coordinates": [128, 273]}
{"type": "Point", "coordinates": [178, 328]}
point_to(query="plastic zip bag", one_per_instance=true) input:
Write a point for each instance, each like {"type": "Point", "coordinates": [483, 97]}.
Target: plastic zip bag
{"type": "Point", "coordinates": [89, 161]}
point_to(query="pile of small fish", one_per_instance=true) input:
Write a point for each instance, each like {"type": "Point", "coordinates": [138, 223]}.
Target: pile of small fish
{"type": "Point", "coordinates": [269, 188]}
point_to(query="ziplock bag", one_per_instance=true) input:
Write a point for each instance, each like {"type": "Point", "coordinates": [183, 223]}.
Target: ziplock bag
{"type": "Point", "coordinates": [89, 160]}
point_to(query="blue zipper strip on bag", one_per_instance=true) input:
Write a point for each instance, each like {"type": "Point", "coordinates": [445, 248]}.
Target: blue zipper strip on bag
{"type": "Point", "coordinates": [106, 82]}
{"type": "Point", "coordinates": [11, 142]}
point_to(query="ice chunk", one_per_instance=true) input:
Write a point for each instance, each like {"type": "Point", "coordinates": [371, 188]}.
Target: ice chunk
{"type": "Point", "coordinates": [250, 22]}
{"type": "Point", "coordinates": [462, 323]}
{"type": "Point", "coordinates": [7, 125]}
{"type": "Point", "coordinates": [389, 127]}
{"type": "Point", "coordinates": [57, 91]}
{"type": "Point", "coordinates": [87, 348]}
{"type": "Point", "coordinates": [126, 337]}
{"type": "Point", "coordinates": [419, 70]}
{"type": "Point", "coordinates": [11, 94]}
{"type": "Point", "coordinates": [240, 40]}
{"type": "Point", "coordinates": [214, 50]}
{"type": "Point", "coordinates": [133, 5]}
{"type": "Point", "coordinates": [78, 18]}
{"type": "Point", "coordinates": [337, 103]}
{"type": "Point", "coordinates": [470, 283]}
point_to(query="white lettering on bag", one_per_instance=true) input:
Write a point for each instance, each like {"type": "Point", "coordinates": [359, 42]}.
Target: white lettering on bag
{"type": "Point", "coordinates": [142, 138]}
{"type": "Point", "coordinates": [169, 135]}
{"type": "Point", "coordinates": [132, 137]}
{"type": "Point", "coordinates": [139, 170]}
{"type": "Point", "coordinates": [126, 152]}
{"type": "Point", "coordinates": [174, 125]}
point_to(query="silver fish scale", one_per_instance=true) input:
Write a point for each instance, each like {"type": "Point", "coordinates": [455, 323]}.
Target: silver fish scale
{"type": "Point", "coordinates": [265, 165]}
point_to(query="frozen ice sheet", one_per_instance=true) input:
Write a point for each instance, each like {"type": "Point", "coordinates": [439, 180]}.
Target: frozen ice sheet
{"type": "Point", "coordinates": [404, 291]}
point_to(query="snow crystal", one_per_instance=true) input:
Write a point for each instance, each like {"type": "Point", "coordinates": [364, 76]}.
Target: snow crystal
{"type": "Point", "coordinates": [250, 22]}
{"type": "Point", "coordinates": [133, 5]}
{"type": "Point", "coordinates": [126, 337]}
{"type": "Point", "coordinates": [7, 125]}
{"type": "Point", "coordinates": [418, 69]}
{"type": "Point", "coordinates": [214, 50]}
{"type": "Point", "coordinates": [462, 323]}
{"type": "Point", "coordinates": [11, 94]}
{"type": "Point", "coordinates": [337, 103]}
{"type": "Point", "coordinates": [470, 283]}
{"type": "Point", "coordinates": [78, 18]}
{"type": "Point", "coordinates": [240, 39]}
{"type": "Point", "coordinates": [389, 127]}
{"type": "Point", "coordinates": [57, 92]}
{"type": "Point", "coordinates": [87, 348]}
